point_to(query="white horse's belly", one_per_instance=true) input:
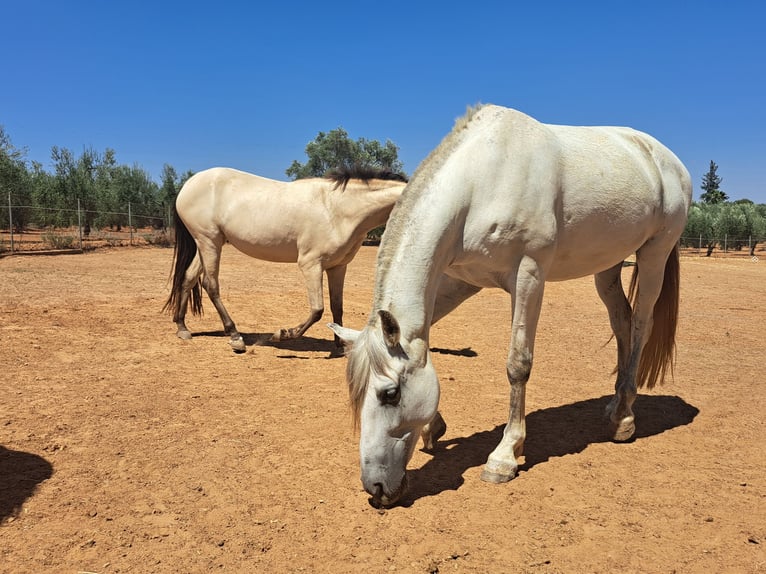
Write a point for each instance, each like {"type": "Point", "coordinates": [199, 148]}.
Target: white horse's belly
{"type": "Point", "coordinates": [578, 252]}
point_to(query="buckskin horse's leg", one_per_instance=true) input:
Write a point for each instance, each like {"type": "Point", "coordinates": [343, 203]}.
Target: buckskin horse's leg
{"type": "Point", "coordinates": [191, 277]}
{"type": "Point", "coordinates": [312, 273]}
{"type": "Point", "coordinates": [433, 431]}
{"type": "Point", "coordinates": [335, 279]}
{"type": "Point", "coordinates": [210, 253]}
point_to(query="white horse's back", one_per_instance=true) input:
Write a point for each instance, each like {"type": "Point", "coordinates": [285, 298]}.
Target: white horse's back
{"type": "Point", "coordinates": [580, 199]}
{"type": "Point", "coordinates": [620, 188]}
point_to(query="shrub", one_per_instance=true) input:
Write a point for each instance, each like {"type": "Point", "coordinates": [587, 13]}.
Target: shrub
{"type": "Point", "coordinates": [59, 241]}
{"type": "Point", "coordinates": [158, 238]}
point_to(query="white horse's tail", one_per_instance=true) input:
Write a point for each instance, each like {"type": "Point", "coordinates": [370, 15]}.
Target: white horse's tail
{"type": "Point", "coordinates": [660, 350]}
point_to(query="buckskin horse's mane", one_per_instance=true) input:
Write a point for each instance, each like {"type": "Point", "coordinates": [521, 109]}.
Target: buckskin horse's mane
{"type": "Point", "coordinates": [343, 174]}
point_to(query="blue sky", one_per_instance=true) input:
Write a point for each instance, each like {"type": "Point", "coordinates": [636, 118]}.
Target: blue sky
{"type": "Point", "coordinates": [249, 84]}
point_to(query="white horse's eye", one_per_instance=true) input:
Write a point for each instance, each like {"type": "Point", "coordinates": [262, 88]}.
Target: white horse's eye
{"type": "Point", "coordinates": [390, 396]}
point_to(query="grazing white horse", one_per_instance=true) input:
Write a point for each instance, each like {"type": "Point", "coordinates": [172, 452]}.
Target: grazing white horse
{"type": "Point", "coordinates": [319, 222]}
{"type": "Point", "coordinates": [505, 201]}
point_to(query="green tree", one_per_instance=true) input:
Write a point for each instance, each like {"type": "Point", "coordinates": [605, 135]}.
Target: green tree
{"type": "Point", "coordinates": [700, 226]}
{"type": "Point", "coordinates": [44, 194]}
{"type": "Point", "coordinates": [14, 180]}
{"type": "Point", "coordinates": [711, 186]}
{"type": "Point", "coordinates": [753, 225]}
{"type": "Point", "coordinates": [169, 189]}
{"type": "Point", "coordinates": [335, 149]}
{"type": "Point", "coordinates": [737, 224]}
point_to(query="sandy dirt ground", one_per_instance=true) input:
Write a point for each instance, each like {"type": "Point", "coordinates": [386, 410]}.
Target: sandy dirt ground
{"type": "Point", "coordinates": [126, 449]}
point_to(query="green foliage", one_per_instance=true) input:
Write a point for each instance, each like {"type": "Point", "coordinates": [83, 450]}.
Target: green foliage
{"type": "Point", "coordinates": [93, 182]}
{"type": "Point", "coordinates": [14, 180]}
{"type": "Point", "coordinates": [739, 224]}
{"type": "Point", "coordinates": [711, 186]}
{"type": "Point", "coordinates": [335, 149]}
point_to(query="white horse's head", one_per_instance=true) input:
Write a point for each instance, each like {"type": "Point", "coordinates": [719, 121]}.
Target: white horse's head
{"type": "Point", "coordinates": [394, 392]}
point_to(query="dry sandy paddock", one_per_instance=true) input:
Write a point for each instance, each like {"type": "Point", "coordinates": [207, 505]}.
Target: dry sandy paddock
{"type": "Point", "coordinates": [126, 449]}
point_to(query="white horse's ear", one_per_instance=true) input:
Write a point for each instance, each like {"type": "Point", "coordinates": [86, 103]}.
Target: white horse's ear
{"type": "Point", "coordinates": [390, 327]}
{"type": "Point", "coordinates": [346, 335]}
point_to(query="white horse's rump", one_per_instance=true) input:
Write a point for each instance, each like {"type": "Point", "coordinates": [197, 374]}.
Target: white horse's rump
{"type": "Point", "coordinates": [508, 202]}
{"type": "Point", "coordinates": [320, 223]}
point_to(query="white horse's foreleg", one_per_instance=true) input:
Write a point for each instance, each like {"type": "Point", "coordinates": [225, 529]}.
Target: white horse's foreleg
{"type": "Point", "coordinates": [312, 273]}
{"type": "Point", "coordinates": [611, 292]}
{"type": "Point", "coordinates": [527, 294]}
{"type": "Point", "coordinates": [335, 279]}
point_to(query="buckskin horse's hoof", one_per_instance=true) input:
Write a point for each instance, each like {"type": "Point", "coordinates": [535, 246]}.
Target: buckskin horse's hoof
{"type": "Point", "coordinates": [238, 344]}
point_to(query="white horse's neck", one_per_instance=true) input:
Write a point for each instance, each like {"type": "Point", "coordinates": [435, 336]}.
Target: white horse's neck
{"type": "Point", "coordinates": [414, 253]}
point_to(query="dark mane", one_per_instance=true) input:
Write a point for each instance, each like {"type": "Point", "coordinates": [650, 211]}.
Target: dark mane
{"type": "Point", "coordinates": [343, 174]}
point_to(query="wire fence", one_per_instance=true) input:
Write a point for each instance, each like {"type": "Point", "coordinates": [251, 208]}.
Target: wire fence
{"type": "Point", "coordinates": [71, 230]}
{"type": "Point", "coordinates": [751, 247]}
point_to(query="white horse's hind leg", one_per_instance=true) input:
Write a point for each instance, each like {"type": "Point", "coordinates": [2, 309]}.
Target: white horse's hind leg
{"type": "Point", "coordinates": [609, 287]}
{"type": "Point", "coordinates": [650, 263]}
{"type": "Point", "coordinates": [527, 294]}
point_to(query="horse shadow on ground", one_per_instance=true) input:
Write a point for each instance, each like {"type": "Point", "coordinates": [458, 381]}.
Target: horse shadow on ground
{"type": "Point", "coordinates": [313, 344]}
{"type": "Point", "coordinates": [551, 432]}
{"type": "Point", "coordinates": [302, 344]}
{"type": "Point", "coordinates": [20, 474]}
{"type": "Point", "coordinates": [464, 352]}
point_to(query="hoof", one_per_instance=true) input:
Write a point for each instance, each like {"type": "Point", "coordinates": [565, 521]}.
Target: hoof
{"type": "Point", "coordinates": [237, 344]}
{"type": "Point", "coordinates": [495, 477]}
{"type": "Point", "coordinates": [624, 430]}
{"type": "Point", "coordinates": [185, 335]}
{"type": "Point", "coordinates": [498, 473]}
{"type": "Point", "coordinates": [433, 432]}
{"type": "Point", "coordinates": [281, 335]}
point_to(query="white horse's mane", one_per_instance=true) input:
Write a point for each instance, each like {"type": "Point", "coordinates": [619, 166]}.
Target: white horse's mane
{"type": "Point", "coordinates": [395, 228]}
{"type": "Point", "coordinates": [367, 356]}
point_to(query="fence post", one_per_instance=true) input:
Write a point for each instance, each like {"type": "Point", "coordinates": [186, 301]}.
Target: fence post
{"type": "Point", "coordinates": [130, 224]}
{"type": "Point", "coordinates": [79, 223]}
{"type": "Point", "coordinates": [699, 251]}
{"type": "Point", "coordinates": [725, 242]}
{"type": "Point", "coordinates": [10, 218]}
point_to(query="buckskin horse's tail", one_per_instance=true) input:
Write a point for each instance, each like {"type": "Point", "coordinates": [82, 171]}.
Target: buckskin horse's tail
{"type": "Point", "coordinates": [660, 350]}
{"type": "Point", "coordinates": [184, 252]}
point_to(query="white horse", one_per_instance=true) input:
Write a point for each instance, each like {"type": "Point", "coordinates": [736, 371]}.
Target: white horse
{"type": "Point", "coordinates": [319, 222]}
{"type": "Point", "coordinates": [505, 201]}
